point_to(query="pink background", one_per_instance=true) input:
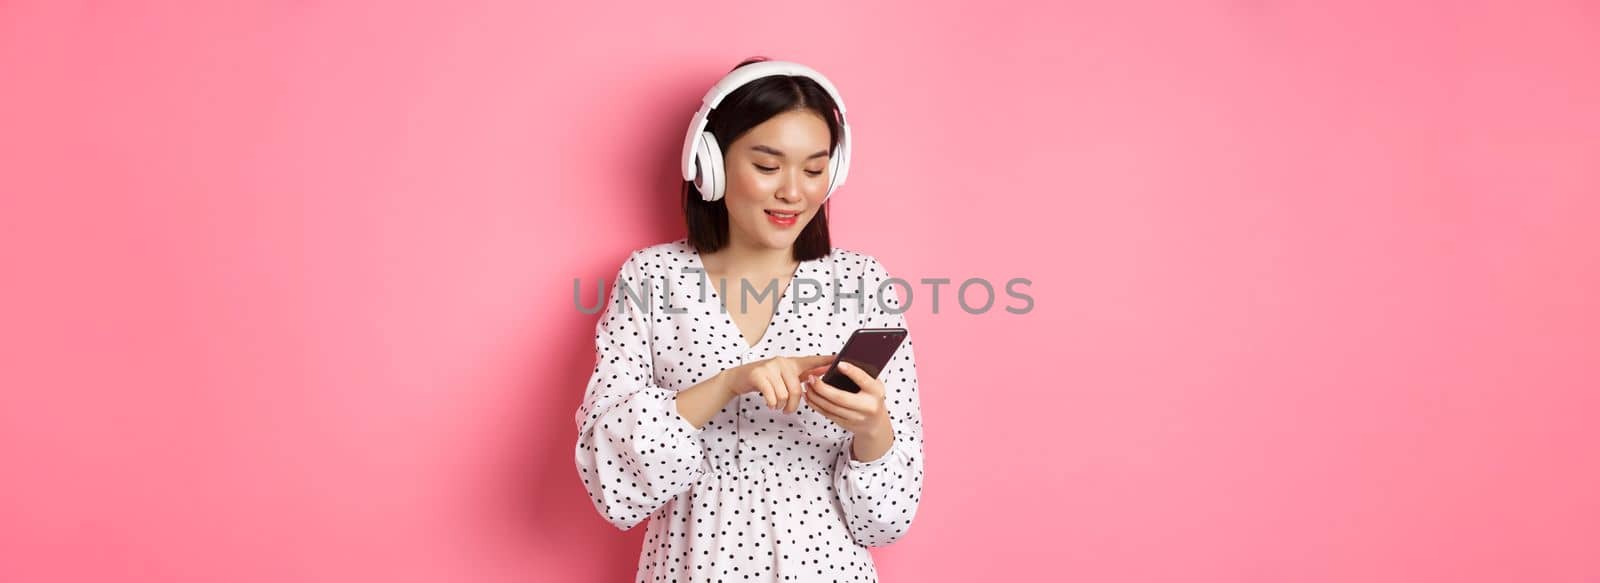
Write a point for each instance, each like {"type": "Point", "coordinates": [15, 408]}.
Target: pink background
{"type": "Point", "coordinates": [288, 284]}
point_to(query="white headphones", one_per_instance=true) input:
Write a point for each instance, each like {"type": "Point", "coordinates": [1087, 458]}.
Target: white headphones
{"type": "Point", "coordinates": [700, 149]}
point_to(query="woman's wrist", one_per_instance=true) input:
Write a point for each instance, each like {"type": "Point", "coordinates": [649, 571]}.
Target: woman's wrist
{"type": "Point", "coordinates": [701, 402]}
{"type": "Point", "coordinates": [871, 445]}
{"type": "Point", "coordinates": [883, 429]}
{"type": "Point", "coordinates": [724, 382]}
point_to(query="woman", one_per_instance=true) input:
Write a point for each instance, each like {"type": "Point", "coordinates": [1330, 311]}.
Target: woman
{"type": "Point", "coordinates": [706, 415]}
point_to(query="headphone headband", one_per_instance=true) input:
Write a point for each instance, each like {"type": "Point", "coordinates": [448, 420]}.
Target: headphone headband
{"type": "Point", "coordinates": [738, 78]}
{"type": "Point", "coordinates": [742, 75]}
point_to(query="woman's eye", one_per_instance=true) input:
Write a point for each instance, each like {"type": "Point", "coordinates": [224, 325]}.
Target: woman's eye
{"type": "Point", "coordinates": [771, 169]}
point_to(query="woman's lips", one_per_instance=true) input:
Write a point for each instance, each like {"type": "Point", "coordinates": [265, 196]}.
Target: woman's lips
{"type": "Point", "coordinates": [782, 219]}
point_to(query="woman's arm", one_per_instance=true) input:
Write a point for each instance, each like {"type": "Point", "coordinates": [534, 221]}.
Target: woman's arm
{"type": "Point", "coordinates": [776, 378]}
{"type": "Point", "coordinates": [880, 496]}
{"type": "Point", "coordinates": [699, 403]}
{"type": "Point", "coordinates": [634, 450]}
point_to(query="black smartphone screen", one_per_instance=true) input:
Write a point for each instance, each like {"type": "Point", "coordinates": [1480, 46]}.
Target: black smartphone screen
{"type": "Point", "coordinates": [869, 349]}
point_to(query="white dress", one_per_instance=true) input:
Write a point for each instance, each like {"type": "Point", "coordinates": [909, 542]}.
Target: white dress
{"type": "Point", "coordinates": [756, 494]}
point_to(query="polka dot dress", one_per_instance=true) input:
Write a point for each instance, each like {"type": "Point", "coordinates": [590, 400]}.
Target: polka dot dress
{"type": "Point", "coordinates": [756, 494]}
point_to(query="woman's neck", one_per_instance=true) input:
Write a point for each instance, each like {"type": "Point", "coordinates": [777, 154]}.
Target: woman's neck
{"type": "Point", "coordinates": [742, 260]}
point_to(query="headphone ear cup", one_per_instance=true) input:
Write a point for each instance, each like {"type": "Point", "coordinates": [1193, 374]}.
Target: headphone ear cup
{"type": "Point", "coordinates": [708, 156]}
{"type": "Point", "coordinates": [838, 167]}
{"type": "Point", "coordinates": [844, 157]}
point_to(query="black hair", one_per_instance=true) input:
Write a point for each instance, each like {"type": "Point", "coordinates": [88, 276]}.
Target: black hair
{"type": "Point", "coordinates": [745, 108]}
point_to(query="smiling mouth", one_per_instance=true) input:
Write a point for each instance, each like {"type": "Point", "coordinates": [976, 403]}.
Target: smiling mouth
{"type": "Point", "coordinates": [782, 215]}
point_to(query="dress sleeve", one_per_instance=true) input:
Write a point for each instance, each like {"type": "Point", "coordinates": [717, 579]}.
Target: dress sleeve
{"type": "Point", "coordinates": [635, 451]}
{"type": "Point", "coordinates": [880, 497]}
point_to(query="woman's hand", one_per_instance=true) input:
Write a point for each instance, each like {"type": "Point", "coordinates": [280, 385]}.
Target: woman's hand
{"type": "Point", "coordinates": [777, 378]}
{"type": "Point", "coordinates": [864, 413]}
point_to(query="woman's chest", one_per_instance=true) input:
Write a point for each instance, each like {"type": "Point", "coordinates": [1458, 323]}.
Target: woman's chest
{"type": "Point", "coordinates": [696, 340]}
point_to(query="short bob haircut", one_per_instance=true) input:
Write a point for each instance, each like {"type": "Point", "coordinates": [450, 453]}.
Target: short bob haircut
{"type": "Point", "coordinates": [745, 108]}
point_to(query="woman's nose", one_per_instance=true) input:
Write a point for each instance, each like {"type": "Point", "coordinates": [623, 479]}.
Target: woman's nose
{"type": "Point", "coordinates": [790, 189]}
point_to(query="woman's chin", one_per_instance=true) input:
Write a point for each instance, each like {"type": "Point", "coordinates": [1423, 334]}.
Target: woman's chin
{"type": "Point", "coordinates": [774, 237]}
{"type": "Point", "coordinates": [779, 241]}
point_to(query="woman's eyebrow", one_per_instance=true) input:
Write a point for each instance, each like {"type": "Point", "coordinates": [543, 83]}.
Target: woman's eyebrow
{"type": "Point", "coordinates": [775, 152]}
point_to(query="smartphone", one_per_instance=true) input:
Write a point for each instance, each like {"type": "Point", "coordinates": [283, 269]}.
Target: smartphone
{"type": "Point", "coordinates": [868, 349]}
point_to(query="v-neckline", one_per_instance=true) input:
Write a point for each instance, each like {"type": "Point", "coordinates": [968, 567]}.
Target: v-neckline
{"type": "Point", "coordinates": [727, 314]}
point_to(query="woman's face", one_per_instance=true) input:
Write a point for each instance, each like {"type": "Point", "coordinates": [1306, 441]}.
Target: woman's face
{"type": "Point", "coordinates": [777, 178]}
